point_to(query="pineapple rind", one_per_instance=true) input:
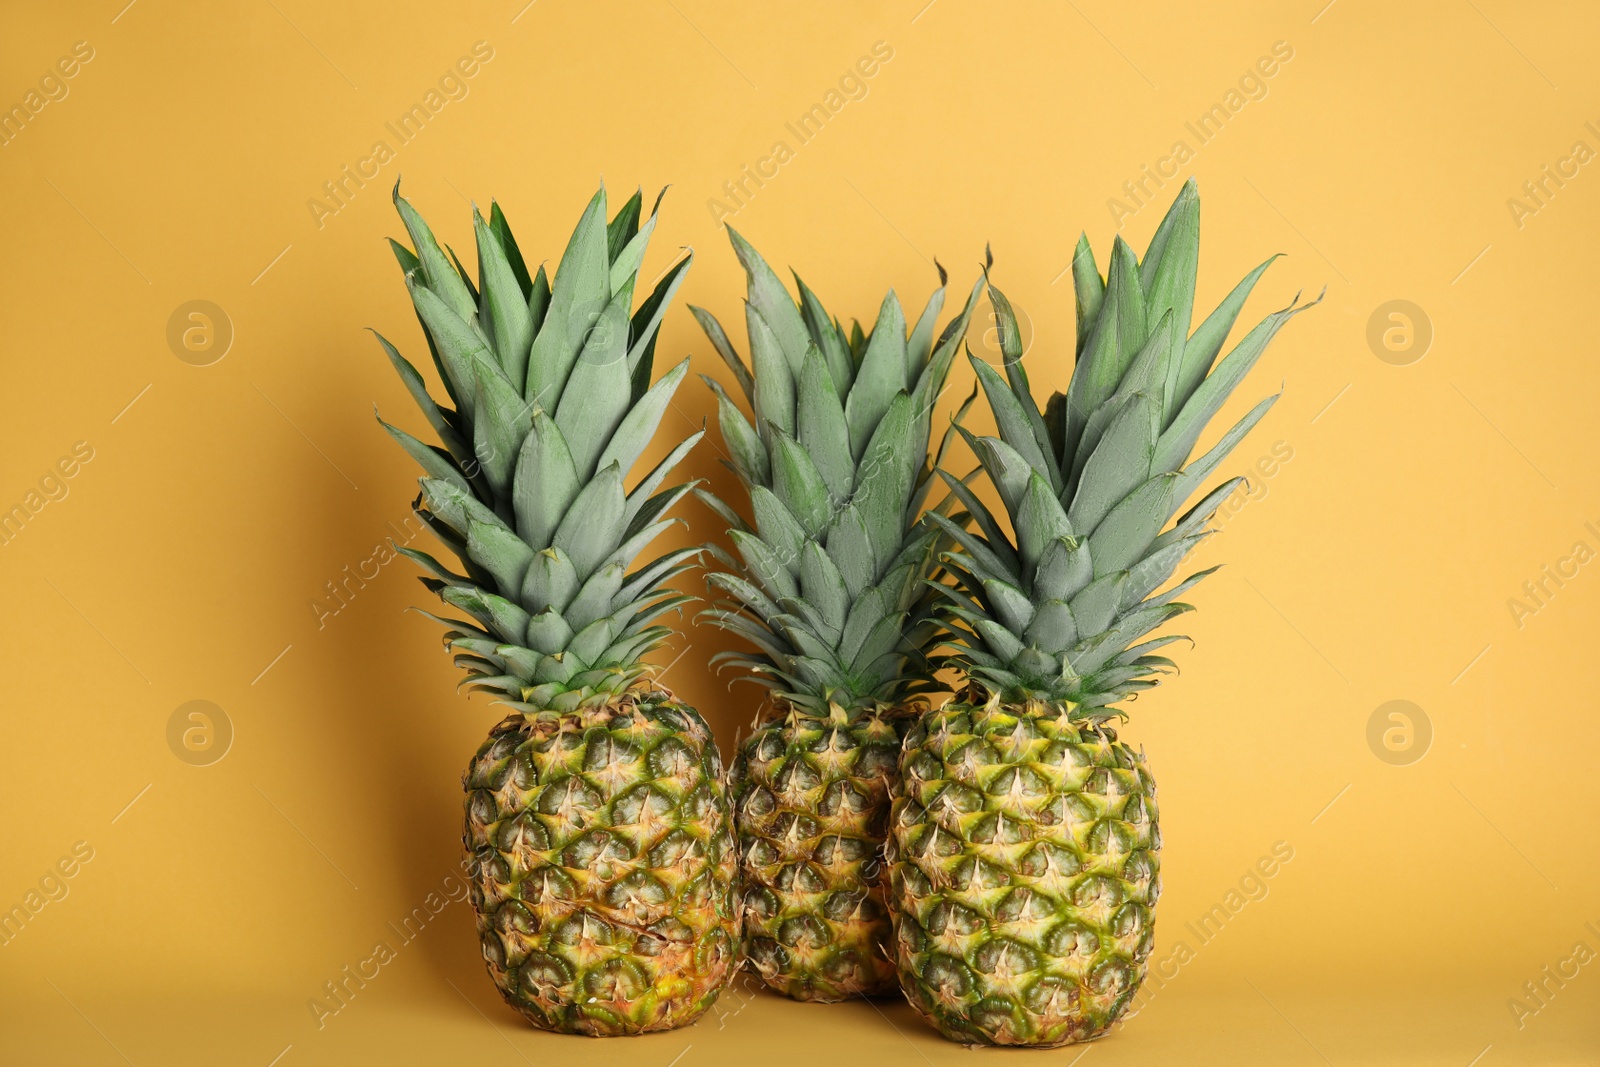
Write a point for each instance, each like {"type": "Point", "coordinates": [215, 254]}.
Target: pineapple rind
{"type": "Point", "coordinates": [604, 866]}
{"type": "Point", "coordinates": [1024, 872]}
{"type": "Point", "coordinates": [812, 804]}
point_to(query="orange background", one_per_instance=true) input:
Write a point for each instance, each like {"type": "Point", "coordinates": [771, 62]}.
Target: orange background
{"type": "Point", "coordinates": [1377, 563]}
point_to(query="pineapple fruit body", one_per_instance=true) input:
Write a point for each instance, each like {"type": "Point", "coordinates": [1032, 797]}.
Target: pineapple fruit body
{"type": "Point", "coordinates": [1024, 852]}
{"type": "Point", "coordinates": [597, 813]}
{"type": "Point", "coordinates": [832, 446]}
{"type": "Point", "coordinates": [604, 861]}
{"type": "Point", "coordinates": [1023, 843]}
{"type": "Point", "coordinates": [812, 800]}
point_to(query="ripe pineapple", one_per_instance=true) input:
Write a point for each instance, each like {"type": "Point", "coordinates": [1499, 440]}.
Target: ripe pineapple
{"type": "Point", "coordinates": [596, 812]}
{"type": "Point", "coordinates": [830, 592]}
{"type": "Point", "coordinates": [1024, 842]}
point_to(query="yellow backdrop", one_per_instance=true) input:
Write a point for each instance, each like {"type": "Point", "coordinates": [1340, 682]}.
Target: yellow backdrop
{"type": "Point", "coordinates": [196, 494]}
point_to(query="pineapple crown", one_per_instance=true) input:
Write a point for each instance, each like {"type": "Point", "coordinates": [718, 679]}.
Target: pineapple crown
{"type": "Point", "coordinates": [552, 407]}
{"type": "Point", "coordinates": [828, 586]}
{"type": "Point", "coordinates": [1090, 483]}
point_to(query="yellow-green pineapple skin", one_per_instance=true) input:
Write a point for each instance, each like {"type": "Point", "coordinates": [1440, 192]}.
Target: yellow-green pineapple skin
{"type": "Point", "coordinates": [1024, 867]}
{"type": "Point", "coordinates": [812, 801]}
{"type": "Point", "coordinates": [605, 860]}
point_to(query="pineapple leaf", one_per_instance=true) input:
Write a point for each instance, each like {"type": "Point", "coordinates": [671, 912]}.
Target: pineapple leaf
{"type": "Point", "coordinates": [723, 512]}
{"type": "Point", "coordinates": [644, 328]}
{"type": "Point", "coordinates": [993, 534]}
{"type": "Point", "coordinates": [1146, 575]}
{"type": "Point", "coordinates": [501, 552]}
{"type": "Point", "coordinates": [1053, 629]}
{"type": "Point", "coordinates": [419, 393]}
{"type": "Point", "coordinates": [883, 639]}
{"type": "Point", "coordinates": [1120, 462]}
{"type": "Point", "coordinates": [466, 279]}
{"type": "Point", "coordinates": [1196, 517]}
{"type": "Point", "coordinates": [646, 579]}
{"type": "Point", "coordinates": [1017, 378]}
{"type": "Point", "coordinates": [546, 482]}
{"type": "Point", "coordinates": [578, 296]}
{"type": "Point", "coordinates": [1096, 604]}
{"type": "Point", "coordinates": [1006, 467]}
{"type": "Point", "coordinates": [1005, 644]}
{"type": "Point", "coordinates": [774, 402]}
{"type": "Point", "coordinates": [825, 334]}
{"type": "Point", "coordinates": [496, 612]}
{"type": "Point", "coordinates": [1064, 569]}
{"type": "Point", "coordinates": [591, 528]}
{"type": "Point", "coordinates": [850, 548]}
{"type": "Point", "coordinates": [1123, 536]}
{"type": "Point", "coordinates": [595, 599]}
{"type": "Point", "coordinates": [778, 528]}
{"type": "Point", "coordinates": [1201, 350]}
{"type": "Point", "coordinates": [405, 257]}
{"type": "Point", "coordinates": [744, 444]}
{"type": "Point", "coordinates": [548, 633]}
{"type": "Point", "coordinates": [719, 341]}
{"type": "Point", "coordinates": [1143, 376]}
{"type": "Point", "coordinates": [881, 377]}
{"type": "Point", "coordinates": [1040, 522]}
{"type": "Point", "coordinates": [454, 506]}
{"type": "Point", "coordinates": [504, 313]}
{"type": "Point", "coordinates": [430, 564]}
{"type": "Point", "coordinates": [653, 508]}
{"type": "Point", "coordinates": [538, 303]}
{"type": "Point", "coordinates": [626, 261]}
{"type": "Point", "coordinates": [508, 244]}
{"type": "Point", "coordinates": [1201, 469]}
{"type": "Point", "coordinates": [772, 303]}
{"type": "Point", "coordinates": [1089, 288]}
{"type": "Point", "coordinates": [866, 613]}
{"type": "Point", "coordinates": [919, 346]}
{"type": "Point", "coordinates": [1120, 331]}
{"type": "Point", "coordinates": [597, 394]}
{"type": "Point", "coordinates": [437, 273]}
{"type": "Point", "coordinates": [752, 598]}
{"type": "Point", "coordinates": [550, 582]}
{"type": "Point", "coordinates": [822, 430]}
{"type": "Point", "coordinates": [436, 462]}
{"type": "Point", "coordinates": [1167, 275]}
{"type": "Point", "coordinates": [501, 423]}
{"type": "Point", "coordinates": [642, 492]}
{"type": "Point", "coordinates": [1179, 439]}
{"type": "Point", "coordinates": [1012, 608]}
{"type": "Point", "coordinates": [1014, 423]}
{"type": "Point", "coordinates": [884, 483]}
{"type": "Point", "coordinates": [764, 565]}
{"type": "Point", "coordinates": [459, 344]}
{"type": "Point", "coordinates": [799, 485]}
{"type": "Point", "coordinates": [636, 541]}
{"type": "Point", "coordinates": [640, 422]}
{"type": "Point", "coordinates": [990, 564]}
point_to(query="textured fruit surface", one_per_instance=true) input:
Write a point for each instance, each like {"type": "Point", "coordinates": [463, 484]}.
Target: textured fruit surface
{"type": "Point", "coordinates": [1024, 871]}
{"type": "Point", "coordinates": [812, 801]}
{"type": "Point", "coordinates": [605, 860]}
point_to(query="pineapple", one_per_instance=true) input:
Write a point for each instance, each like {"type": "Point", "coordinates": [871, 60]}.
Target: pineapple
{"type": "Point", "coordinates": [597, 816]}
{"type": "Point", "coordinates": [830, 593]}
{"type": "Point", "coordinates": [1024, 842]}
